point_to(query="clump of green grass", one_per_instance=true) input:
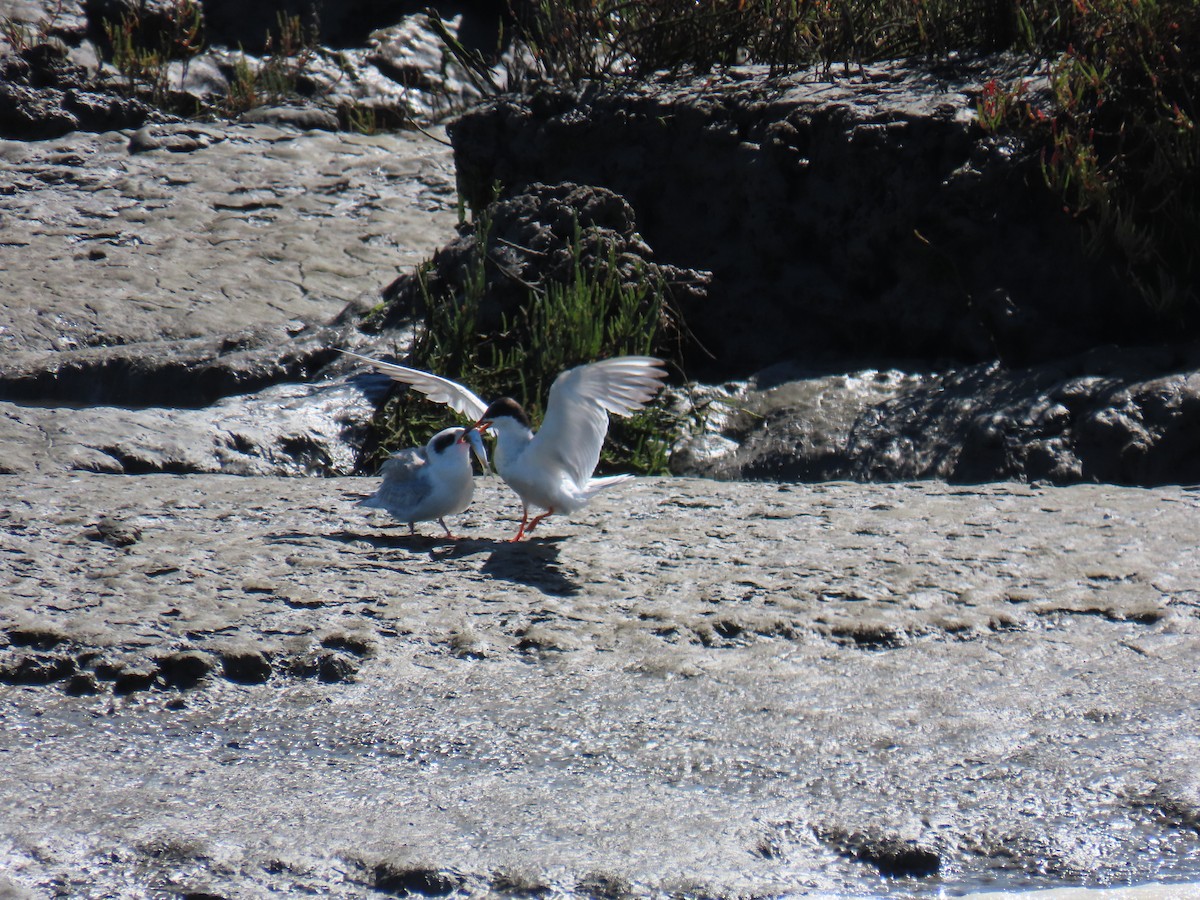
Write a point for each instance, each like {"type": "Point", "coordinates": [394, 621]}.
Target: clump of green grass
{"type": "Point", "coordinates": [358, 117]}
{"type": "Point", "coordinates": [277, 76]}
{"type": "Point", "coordinates": [142, 52]}
{"type": "Point", "coordinates": [592, 315]}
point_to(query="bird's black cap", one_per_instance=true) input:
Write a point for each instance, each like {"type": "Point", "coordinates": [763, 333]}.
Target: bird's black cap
{"type": "Point", "coordinates": [443, 441]}
{"type": "Point", "coordinates": [505, 406]}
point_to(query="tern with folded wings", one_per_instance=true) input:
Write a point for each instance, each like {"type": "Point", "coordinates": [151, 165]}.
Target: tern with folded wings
{"type": "Point", "coordinates": [421, 484]}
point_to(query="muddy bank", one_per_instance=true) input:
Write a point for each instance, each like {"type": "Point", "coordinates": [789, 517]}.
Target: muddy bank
{"type": "Point", "coordinates": [241, 685]}
{"type": "Point", "coordinates": [109, 241]}
{"type": "Point", "coordinates": [169, 307]}
{"type": "Point", "coordinates": [177, 295]}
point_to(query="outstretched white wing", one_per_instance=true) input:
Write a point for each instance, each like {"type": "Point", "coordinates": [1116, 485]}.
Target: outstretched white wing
{"type": "Point", "coordinates": [576, 420]}
{"type": "Point", "coordinates": [438, 389]}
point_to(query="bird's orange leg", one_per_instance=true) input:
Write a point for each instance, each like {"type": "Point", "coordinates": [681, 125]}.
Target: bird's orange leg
{"type": "Point", "coordinates": [537, 519]}
{"type": "Point", "coordinates": [521, 530]}
{"type": "Point", "coordinates": [442, 522]}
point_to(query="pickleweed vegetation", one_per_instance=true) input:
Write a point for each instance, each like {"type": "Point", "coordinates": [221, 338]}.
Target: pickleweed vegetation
{"type": "Point", "coordinates": [1118, 141]}
{"type": "Point", "coordinates": [593, 314]}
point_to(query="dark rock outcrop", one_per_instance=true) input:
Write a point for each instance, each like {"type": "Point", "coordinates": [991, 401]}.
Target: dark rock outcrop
{"type": "Point", "coordinates": [543, 235]}
{"type": "Point", "coordinates": [845, 222]}
{"type": "Point", "coordinates": [1123, 416]}
{"type": "Point", "coordinates": [841, 215]}
{"type": "Point", "coordinates": [44, 95]}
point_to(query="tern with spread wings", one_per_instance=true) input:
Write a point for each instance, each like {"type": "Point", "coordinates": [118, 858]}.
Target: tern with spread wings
{"type": "Point", "coordinates": [552, 468]}
{"type": "Point", "coordinates": [421, 484]}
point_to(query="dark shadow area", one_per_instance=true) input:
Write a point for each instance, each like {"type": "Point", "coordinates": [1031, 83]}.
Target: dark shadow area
{"type": "Point", "coordinates": [533, 562]}
{"type": "Point", "coordinates": [397, 539]}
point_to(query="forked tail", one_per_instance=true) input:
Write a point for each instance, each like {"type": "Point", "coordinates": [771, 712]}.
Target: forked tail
{"type": "Point", "coordinates": [596, 485]}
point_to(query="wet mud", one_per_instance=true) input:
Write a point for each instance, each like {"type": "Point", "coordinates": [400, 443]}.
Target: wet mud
{"type": "Point", "coordinates": [221, 686]}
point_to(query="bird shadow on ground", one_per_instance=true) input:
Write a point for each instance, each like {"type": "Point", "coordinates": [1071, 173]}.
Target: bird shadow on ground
{"type": "Point", "coordinates": [416, 543]}
{"type": "Point", "coordinates": [533, 562]}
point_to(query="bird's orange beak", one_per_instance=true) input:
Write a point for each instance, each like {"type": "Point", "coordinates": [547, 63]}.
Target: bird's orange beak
{"type": "Point", "coordinates": [479, 426]}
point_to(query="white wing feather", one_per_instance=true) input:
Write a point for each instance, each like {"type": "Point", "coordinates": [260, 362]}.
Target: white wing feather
{"type": "Point", "coordinates": [438, 389]}
{"type": "Point", "coordinates": [576, 420]}
{"type": "Point", "coordinates": [402, 488]}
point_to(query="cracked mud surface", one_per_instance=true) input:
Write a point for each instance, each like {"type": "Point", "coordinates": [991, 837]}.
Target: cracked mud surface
{"type": "Point", "coordinates": [243, 685]}
{"type": "Point", "coordinates": [238, 226]}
